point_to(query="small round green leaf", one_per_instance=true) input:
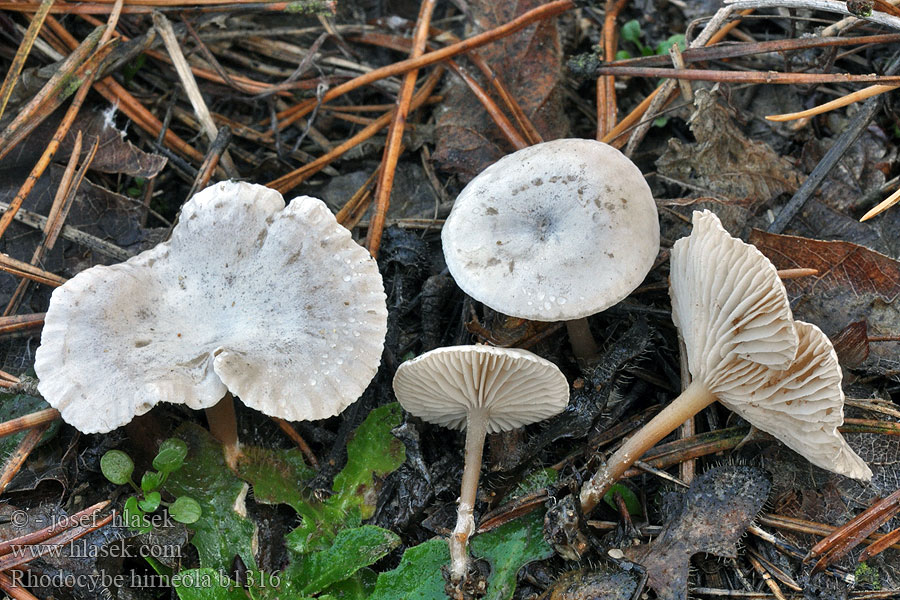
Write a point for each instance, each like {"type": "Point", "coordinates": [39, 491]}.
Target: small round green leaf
{"type": "Point", "coordinates": [150, 502]}
{"type": "Point", "coordinates": [631, 32]}
{"type": "Point", "coordinates": [185, 510]}
{"type": "Point", "coordinates": [117, 467]}
{"type": "Point", "coordinates": [170, 456]}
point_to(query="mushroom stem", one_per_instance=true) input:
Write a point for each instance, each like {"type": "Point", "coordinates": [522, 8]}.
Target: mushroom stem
{"type": "Point", "coordinates": [476, 431]}
{"type": "Point", "coordinates": [691, 401]}
{"type": "Point", "coordinates": [223, 426]}
{"type": "Point", "coordinates": [583, 345]}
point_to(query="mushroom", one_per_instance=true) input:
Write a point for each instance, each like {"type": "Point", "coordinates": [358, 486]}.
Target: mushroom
{"type": "Point", "coordinates": [554, 232]}
{"type": "Point", "coordinates": [276, 305]}
{"type": "Point", "coordinates": [744, 349]}
{"type": "Point", "coordinates": [483, 390]}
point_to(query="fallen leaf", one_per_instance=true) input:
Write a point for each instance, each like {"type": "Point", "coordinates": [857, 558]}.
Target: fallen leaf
{"type": "Point", "coordinates": [74, 569]}
{"type": "Point", "coordinates": [860, 171]}
{"type": "Point", "coordinates": [13, 406]}
{"type": "Point", "coordinates": [529, 65]}
{"type": "Point", "coordinates": [723, 161]}
{"type": "Point", "coordinates": [115, 154]}
{"type": "Point", "coordinates": [713, 515]}
{"type": "Point", "coordinates": [852, 344]}
{"type": "Point", "coordinates": [606, 582]}
{"type": "Point", "coordinates": [853, 283]}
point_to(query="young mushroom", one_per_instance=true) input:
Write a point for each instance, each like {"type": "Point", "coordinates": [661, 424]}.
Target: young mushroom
{"type": "Point", "coordinates": [275, 304]}
{"type": "Point", "coordinates": [745, 350]}
{"type": "Point", "coordinates": [482, 390]}
{"type": "Point", "coordinates": [555, 232]}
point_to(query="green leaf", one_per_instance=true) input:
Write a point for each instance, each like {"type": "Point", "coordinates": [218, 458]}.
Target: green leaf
{"type": "Point", "coordinates": [13, 406]}
{"type": "Point", "coordinates": [170, 456]}
{"type": "Point", "coordinates": [220, 532]}
{"type": "Point", "coordinates": [150, 502]}
{"type": "Point", "coordinates": [631, 500]}
{"type": "Point", "coordinates": [418, 577]}
{"type": "Point", "coordinates": [631, 32]}
{"type": "Point", "coordinates": [117, 467]}
{"type": "Point", "coordinates": [151, 481]}
{"type": "Point", "coordinates": [673, 40]}
{"type": "Point", "coordinates": [351, 550]}
{"type": "Point", "coordinates": [206, 584]}
{"type": "Point", "coordinates": [372, 452]}
{"type": "Point", "coordinates": [276, 475]}
{"type": "Point", "coordinates": [509, 548]}
{"type": "Point", "coordinates": [134, 517]}
{"type": "Point", "coordinates": [623, 55]}
{"type": "Point", "coordinates": [358, 586]}
{"type": "Point", "coordinates": [185, 510]}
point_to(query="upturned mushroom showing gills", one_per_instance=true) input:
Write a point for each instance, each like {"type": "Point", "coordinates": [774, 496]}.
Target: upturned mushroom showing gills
{"type": "Point", "coordinates": [745, 350]}
{"type": "Point", "coordinates": [275, 304]}
{"type": "Point", "coordinates": [482, 390]}
{"type": "Point", "coordinates": [555, 232]}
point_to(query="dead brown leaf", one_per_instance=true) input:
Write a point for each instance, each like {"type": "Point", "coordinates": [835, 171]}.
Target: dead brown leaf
{"type": "Point", "coordinates": [852, 344]}
{"type": "Point", "coordinates": [861, 171]}
{"type": "Point", "coordinates": [724, 161]}
{"type": "Point", "coordinates": [96, 211]}
{"type": "Point", "coordinates": [114, 155]}
{"type": "Point", "coordinates": [529, 65]}
{"type": "Point", "coordinates": [604, 581]}
{"type": "Point", "coordinates": [713, 515]}
{"type": "Point", "coordinates": [854, 283]}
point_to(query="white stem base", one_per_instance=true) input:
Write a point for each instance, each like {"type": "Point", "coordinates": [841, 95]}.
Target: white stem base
{"type": "Point", "coordinates": [465, 520]}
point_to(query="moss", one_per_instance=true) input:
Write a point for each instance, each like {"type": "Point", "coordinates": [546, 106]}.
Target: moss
{"type": "Point", "coordinates": [584, 65]}
{"type": "Point", "coordinates": [68, 86]}
{"type": "Point", "coordinates": [310, 7]}
{"type": "Point", "coordinates": [866, 575]}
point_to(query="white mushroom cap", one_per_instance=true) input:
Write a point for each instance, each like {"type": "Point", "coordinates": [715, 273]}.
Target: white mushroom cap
{"type": "Point", "coordinates": [277, 305]}
{"type": "Point", "coordinates": [557, 231]}
{"type": "Point", "coordinates": [803, 405]}
{"type": "Point", "coordinates": [728, 304]}
{"type": "Point", "coordinates": [508, 386]}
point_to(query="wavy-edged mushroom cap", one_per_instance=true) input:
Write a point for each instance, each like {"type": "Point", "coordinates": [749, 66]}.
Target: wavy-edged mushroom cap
{"type": "Point", "coordinates": [509, 387]}
{"type": "Point", "coordinates": [729, 306]}
{"type": "Point", "coordinates": [803, 405]}
{"type": "Point", "coordinates": [556, 231]}
{"type": "Point", "coordinates": [277, 305]}
{"type": "Point", "coordinates": [744, 346]}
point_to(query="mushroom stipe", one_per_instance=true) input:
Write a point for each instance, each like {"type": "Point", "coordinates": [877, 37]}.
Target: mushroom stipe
{"type": "Point", "coordinates": [482, 390]}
